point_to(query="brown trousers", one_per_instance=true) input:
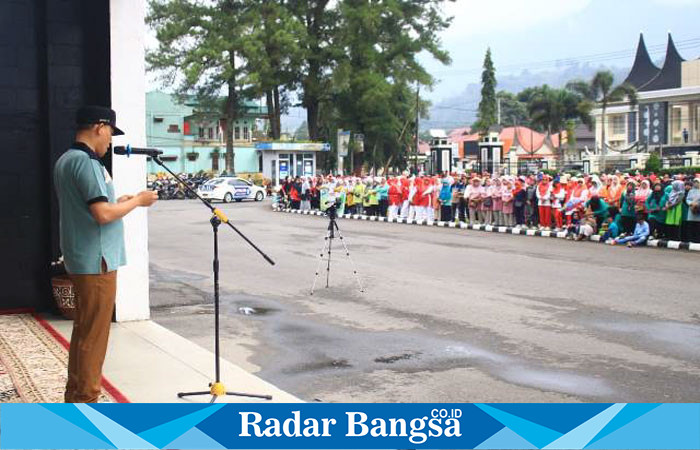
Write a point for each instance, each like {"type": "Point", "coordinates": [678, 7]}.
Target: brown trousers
{"type": "Point", "coordinates": [88, 344]}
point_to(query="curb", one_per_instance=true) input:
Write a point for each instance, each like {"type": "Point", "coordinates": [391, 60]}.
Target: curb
{"type": "Point", "coordinates": [658, 243]}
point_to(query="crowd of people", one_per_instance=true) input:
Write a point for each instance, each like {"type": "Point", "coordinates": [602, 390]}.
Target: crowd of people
{"type": "Point", "coordinates": [619, 207]}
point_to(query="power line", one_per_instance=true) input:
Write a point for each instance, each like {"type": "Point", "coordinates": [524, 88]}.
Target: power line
{"type": "Point", "coordinates": [686, 44]}
{"type": "Point", "coordinates": [454, 109]}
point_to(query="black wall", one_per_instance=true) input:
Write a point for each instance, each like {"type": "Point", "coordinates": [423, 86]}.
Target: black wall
{"type": "Point", "coordinates": [653, 128]}
{"type": "Point", "coordinates": [54, 57]}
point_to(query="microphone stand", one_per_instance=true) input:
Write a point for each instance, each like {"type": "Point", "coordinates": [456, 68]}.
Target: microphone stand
{"type": "Point", "coordinates": [216, 389]}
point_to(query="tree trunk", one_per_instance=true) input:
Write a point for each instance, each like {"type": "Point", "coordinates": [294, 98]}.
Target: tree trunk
{"type": "Point", "coordinates": [388, 163]}
{"type": "Point", "coordinates": [278, 112]}
{"type": "Point", "coordinates": [311, 103]}
{"type": "Point", "coordinates": [374, 160]}
{"type": "Point", "coordinates": [312, 98]}
{"type": "Point", "coordinates": [273, 132]}
{"type": "Point", "coordinates": [351, 159]}
{"type": "Point", "coordinates": [561, 151]}
{"type": "Point", "coordinates": [603, 150]}
{"type": "Point", "coordinates": [231, 104]}
{"type": "Point", "coordinates": [311, 84]}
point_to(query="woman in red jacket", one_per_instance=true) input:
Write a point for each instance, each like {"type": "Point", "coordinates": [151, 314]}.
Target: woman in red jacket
{"type": "Point", "coordinates": [295, 193]}
{"type": "Point", "coordinates": [395, 198]}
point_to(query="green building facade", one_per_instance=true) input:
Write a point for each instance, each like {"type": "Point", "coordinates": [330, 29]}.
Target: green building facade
{"type": "Point", "coordinates": [194, 141]}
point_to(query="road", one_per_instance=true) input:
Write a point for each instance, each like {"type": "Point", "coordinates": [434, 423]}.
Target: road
{"type": "Point", "coordinates": [448, 315]}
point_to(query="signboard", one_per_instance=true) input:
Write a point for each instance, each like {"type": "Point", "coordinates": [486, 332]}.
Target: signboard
{"type": "Point", "coordinates": [294, 146]}
{"type": "Point", "coordinates": [308, 168]}
{"type": "Point", "coordinates": [343, 142]}
{"type": "Point", "coordinates": [284, 169]}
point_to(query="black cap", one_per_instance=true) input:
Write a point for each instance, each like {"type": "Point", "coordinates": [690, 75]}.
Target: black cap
{"type": "Point", "coordinates": [88, 115]}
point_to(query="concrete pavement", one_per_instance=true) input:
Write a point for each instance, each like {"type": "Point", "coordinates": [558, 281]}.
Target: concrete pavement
{"type": "Point", "coordinates": [150, 364]}
{"type": "Point", "coordinates": [449, 315]}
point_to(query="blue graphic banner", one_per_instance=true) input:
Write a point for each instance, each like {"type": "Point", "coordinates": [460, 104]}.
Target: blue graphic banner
{"type": "Point", "coordinates": [351, 425]}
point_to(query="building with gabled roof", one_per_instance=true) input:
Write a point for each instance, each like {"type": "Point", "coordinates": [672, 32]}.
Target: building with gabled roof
{"type": "Point", "coordinates": [666, 117]}
{"type": "Point", "coordinates": [523, 149]}
{"type": "Point", "coordinates": [193, 137]}
{"type": "Point", "coordinates": [669, 77]}
{"type": "Point", "coordinates": [643, 70]}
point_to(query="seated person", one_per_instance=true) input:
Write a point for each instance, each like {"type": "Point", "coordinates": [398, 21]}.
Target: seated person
{"type": "Point", "coordinates": [640, 236]}
{"type": "Point", "coordinates": [587, 225]}
{"type": "Point", "coordinates": [572, 230]}
{"type": "Point", "coordinates": [611, 226]}
{"type": "Point", "coordinates": [599, 208]}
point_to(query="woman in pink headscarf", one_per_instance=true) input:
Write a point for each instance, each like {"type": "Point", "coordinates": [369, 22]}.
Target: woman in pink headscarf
{"type": "Point", "coordinates": [472, 195]}
{"type": "Point", "coordinates": [641, 195]}
{"type": "Point", "coordinates": [487, 202]}
{"type": "Point", "coordinates": [497, 197]}
{"type": "Point", "coordinates": [507, 200]}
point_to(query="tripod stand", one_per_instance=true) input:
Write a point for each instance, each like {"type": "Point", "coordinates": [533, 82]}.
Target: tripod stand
{"type": "Point", "coordinates": [216, 388]}
{"type": "Point", "coordinates": [328, 243]}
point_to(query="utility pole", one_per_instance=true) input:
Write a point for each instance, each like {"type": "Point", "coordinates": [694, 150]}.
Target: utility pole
{"type": "Point", "coordinates": [351, 170]}
{"type": "Point", "coordinates": [417, 123]}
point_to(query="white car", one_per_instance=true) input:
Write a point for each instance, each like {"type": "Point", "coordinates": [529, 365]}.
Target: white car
{"type": "Point", "coordinates": [228, 189]}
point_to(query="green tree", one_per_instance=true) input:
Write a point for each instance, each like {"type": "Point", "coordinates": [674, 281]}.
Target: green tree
{"type": "Point", "coordinates": [373, 80]}
{"type": "Point", "coordinates": [601, 91]}
{"type": "Point", "coordinates": [571, 134]}
{"type": "Point", "coordinates": [320, 20]}
{"type": "Point", "coordinates": [274, 57]}
{"type": "Point", "coordinates": [487, 105]}
{"type": "Point", "coordinates": [201, 51]}
{"type": "Point", "coordinates": [552, 110]}
{"type": "Point", "coordinates": [526, 94]}
{"type": "Point", "coordinates": [653, 164]}
{"type": "Point", "coordinates": [513, 111]}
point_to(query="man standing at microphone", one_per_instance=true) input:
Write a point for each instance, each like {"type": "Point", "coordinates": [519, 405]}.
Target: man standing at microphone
{"type": "Point", "coordinates": [92, 243]}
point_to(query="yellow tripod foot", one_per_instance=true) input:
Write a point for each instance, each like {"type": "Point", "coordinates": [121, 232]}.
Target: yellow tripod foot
{"type": "Point", "coordinates": [217, 389]}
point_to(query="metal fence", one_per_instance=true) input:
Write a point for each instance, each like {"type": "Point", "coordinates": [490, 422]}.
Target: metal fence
{"type": "Point", "coordinates": [532, 167]}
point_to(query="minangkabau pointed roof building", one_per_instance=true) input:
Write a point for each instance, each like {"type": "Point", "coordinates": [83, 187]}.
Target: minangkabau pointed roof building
{"type": "Point", "coordinates": [643, 70]}
{"type": "Point", "coordinates": [669, 77]}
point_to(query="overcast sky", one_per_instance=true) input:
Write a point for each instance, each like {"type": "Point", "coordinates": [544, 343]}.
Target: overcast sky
{"type": "Point", "coordinates": [535, 33]}
{"type": "Point", "coordinates": [541, 34]}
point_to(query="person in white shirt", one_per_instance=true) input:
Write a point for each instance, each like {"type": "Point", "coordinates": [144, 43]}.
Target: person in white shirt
{"type": "Point", "coordinates": [544, 202]}
{"type": "Point", "coordinates": [578, 196]}
{"type": "Point", "coordinates": [558, 197]}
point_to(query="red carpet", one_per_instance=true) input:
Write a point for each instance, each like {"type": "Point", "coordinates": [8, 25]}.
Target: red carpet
{"type": "Point", "coordinates": [34, 361]}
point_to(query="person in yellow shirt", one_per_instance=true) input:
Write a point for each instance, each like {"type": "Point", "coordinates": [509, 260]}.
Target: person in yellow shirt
{"type": "Point", "coordinates": [359, 194]}
{"type": "Point", "coordinates": [350, 196]}
{"type": "Point", "coordinates": [366, 205]}
{"type": "Point", "coordinates": [340, 197]}
{"type": "Point", "coordinates": [372, 196]}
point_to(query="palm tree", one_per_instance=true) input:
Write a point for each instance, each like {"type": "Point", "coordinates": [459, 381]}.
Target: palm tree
{"type": "Point", "coordinates": [551, 109]}
{"type": "Point", "coordinates": [600, 90]}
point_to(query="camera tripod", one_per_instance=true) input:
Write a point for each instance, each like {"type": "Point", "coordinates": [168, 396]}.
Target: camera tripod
{"type": "Point", "coordinates": [332, 213]}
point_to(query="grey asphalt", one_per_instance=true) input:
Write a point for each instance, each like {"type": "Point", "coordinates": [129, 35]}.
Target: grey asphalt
{"type": "Point", "coordinates": [448, 315]}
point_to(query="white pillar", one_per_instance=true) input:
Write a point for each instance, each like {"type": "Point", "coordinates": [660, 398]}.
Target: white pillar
{"type": "Point", "coordinates": [129, 102]}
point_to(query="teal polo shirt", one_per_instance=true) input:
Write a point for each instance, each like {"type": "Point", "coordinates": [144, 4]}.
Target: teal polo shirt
{"type": "Point", "coordinates": [81, 180]}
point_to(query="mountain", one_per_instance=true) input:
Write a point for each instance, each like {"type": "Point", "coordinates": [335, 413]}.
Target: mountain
{"type": "Point", "coordinates": [461, 110]}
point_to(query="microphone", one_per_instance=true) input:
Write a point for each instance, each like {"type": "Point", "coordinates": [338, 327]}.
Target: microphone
{"type": "Point", "coordinates": [129, 150]}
